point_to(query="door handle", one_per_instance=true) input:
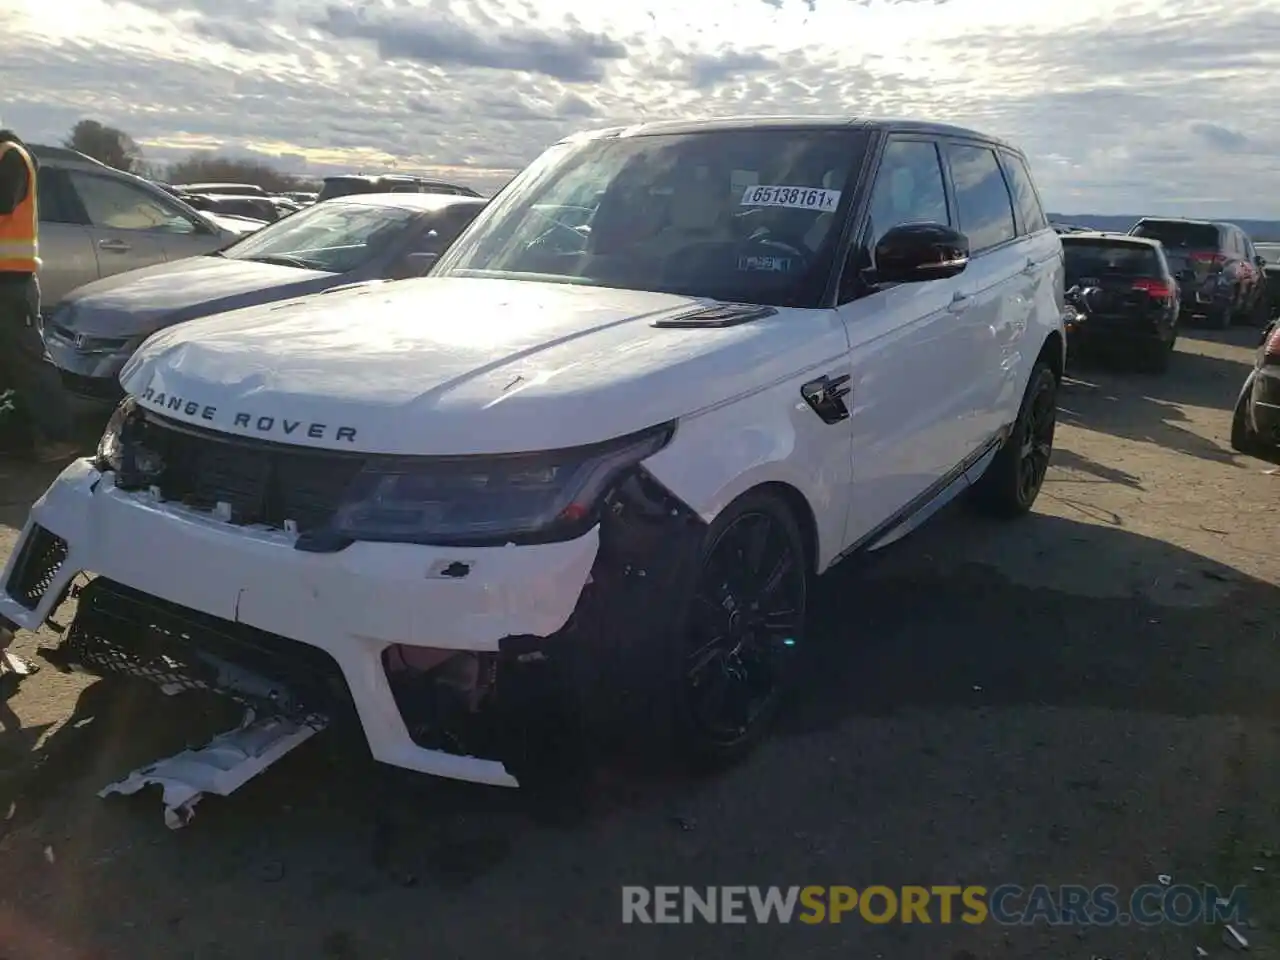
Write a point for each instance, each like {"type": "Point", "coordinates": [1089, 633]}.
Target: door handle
{"type": "Point", "coordinates": [959, 302]}
{"type": "Point", "coordinates": [114, 246]}
{"type": "Point", "coordinates": [1030, 266]}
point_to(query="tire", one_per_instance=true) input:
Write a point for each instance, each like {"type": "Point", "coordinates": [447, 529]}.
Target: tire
{"type": "Point", "coordinates": [1155, 358]}
{"type": "Point", "coordinates": [1243, 439]}
{"type": "Point", "coordinates": [1012, 482]}
{"type": "Point", "coordinates": [725, 600]}
{"type": "Point", "coordinates": [1260, 315]}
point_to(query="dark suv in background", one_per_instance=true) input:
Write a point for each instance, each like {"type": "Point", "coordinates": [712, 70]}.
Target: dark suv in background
{"type": "Point", "coordinates": [1122, 298]}
{"type": "Point", "coordinates": [350, 184]}
{"type": "Point", "coordinates": [1218, 270]}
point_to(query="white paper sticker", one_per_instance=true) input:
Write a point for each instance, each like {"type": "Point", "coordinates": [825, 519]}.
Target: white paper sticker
{"type": "Point", "coordinates": [794, 198]}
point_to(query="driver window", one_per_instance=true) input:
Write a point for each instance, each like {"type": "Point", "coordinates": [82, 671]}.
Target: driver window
{"type": "Point", "coordinates": [113, 204]}
{"type": "Point", "coordinates": [909, 188]}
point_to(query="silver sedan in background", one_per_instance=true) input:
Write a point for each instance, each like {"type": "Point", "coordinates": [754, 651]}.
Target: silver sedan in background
{"type": "Point", "coordinates": [92, 333]}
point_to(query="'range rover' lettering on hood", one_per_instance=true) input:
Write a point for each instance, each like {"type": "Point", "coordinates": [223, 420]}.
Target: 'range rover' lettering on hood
{"type": "Point", "coordinates": [456, 366]}
{"type": "Point", "coordinates": [270, 427]}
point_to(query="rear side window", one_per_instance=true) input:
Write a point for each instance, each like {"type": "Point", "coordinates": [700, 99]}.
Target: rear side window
{"type": "Point", "coordinates": [1179, 236]}
{"type": "Point", "coordinates": [1104, 258]}
{"type": "Point", "coordinates": [55, 199]}
{"type": "Point", "coordinates": [1025, 199]}
{"type": "Point", "coordinates": [982, 198]}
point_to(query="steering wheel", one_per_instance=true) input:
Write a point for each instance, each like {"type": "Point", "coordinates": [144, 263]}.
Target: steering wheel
{"type": "Point", "coordinates": [709, 258]}
{"type": "Point", "coordinates": [778, 245]}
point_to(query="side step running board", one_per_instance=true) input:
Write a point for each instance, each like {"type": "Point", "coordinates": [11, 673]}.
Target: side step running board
{"type": "Point", "coordinates": [220, 767]}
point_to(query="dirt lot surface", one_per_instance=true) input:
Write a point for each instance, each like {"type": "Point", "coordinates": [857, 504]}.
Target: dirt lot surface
{"type": "Point", "coordinates": [1089, 695]}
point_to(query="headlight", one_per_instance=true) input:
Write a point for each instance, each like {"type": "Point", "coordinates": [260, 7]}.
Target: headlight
{"type": "Point", "coordinates": [111, 447]}
{"type": "Point", "coordinates": [479, 500]}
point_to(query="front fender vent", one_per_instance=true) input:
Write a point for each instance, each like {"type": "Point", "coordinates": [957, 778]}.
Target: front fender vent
{"type": "Point", "coordinates": [720, 315]}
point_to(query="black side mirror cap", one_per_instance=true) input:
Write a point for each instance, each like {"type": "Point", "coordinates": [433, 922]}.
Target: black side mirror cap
{"type": "Point", "coordinates": [919, 252]}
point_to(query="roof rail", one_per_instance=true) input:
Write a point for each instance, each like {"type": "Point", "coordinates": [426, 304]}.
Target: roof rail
{"type": "Point", "coordinates": [44, 152]}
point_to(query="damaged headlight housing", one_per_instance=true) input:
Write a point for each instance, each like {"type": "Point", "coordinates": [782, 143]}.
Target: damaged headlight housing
{"type": "Point", "coordinates": [110, 454]}
{"type": "Point", "coordinates": [482, 500]}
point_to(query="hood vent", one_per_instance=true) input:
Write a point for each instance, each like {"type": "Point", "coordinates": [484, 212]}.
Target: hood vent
{"type": "Point", "coordinates": [715, 317]}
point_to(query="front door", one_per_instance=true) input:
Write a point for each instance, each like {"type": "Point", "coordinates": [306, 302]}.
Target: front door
{"type": "Point", "coordinates": [125, 223]}
{"type": "Point", "coordinates": [912, 356]}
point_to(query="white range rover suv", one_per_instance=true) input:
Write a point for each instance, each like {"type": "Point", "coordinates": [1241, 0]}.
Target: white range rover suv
{"type": "Point", "coordinates": [579, 479]}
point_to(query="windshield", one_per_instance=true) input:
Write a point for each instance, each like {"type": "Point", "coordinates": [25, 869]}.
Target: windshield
{"type": "Point", "coordinates": [335, 237]}
{"type": "Point", "coordinates": [1100, 258]}
{"type": "Point", "coordinates": [1173, 234]}
{"type": "Point", "coordinates": [747, 215]}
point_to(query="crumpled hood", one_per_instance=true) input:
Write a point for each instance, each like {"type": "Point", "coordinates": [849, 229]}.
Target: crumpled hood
{"type": "Point", "coordinates": [142, 301]}
{"type": "Point", "coordinates": [459, 366]}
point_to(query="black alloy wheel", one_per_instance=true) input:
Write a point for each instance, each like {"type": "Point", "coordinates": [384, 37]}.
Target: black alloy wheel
{"type": "Point", "coordinates": [743, 631]}
{"type": "Point", "coordinates": [1037, 440]}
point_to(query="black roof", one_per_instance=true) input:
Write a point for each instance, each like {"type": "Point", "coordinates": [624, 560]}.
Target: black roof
{"type": "Point", "coordinates": [45, 152]}
{"type": "Point", "coordinates": [798, 122]}
{"type": "Point", "coordinates": [1110, 235]}
{"type": "Point", "coordinates": [1187, 220]}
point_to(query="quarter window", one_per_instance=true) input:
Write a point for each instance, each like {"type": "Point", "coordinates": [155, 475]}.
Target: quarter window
{"type": "Point", "coordinates": [115, 205]}
{"type": "Point", "coordinates": [982, 198]}
{"type": "Point", "coordinates": [909, 188]}
{"type": "Point", "coordinates": [1025, 199]}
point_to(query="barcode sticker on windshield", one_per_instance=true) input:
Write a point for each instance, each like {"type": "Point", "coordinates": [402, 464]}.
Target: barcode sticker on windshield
{"type": "Point", "coordinates": [795, 198]}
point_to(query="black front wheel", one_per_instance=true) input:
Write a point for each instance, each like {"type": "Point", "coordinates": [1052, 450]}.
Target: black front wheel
{"type": "Point", "coordinates": [743, 629]}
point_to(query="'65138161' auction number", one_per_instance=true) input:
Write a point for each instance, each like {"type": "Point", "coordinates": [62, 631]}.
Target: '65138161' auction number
{"type": "Point", "coordinates": [797, 198]}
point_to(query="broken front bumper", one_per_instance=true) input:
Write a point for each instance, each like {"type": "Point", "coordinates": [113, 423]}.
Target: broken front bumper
{"type": "Point", "coordinates": [560, 635]}
{"type": "Point", "coordinates": [249, 586]}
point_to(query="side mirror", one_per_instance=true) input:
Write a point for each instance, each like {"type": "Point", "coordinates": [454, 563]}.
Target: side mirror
{"type": "Point", "coordinates": [413, 265]}
{"type": "Point", "coordinates": [918, 252]}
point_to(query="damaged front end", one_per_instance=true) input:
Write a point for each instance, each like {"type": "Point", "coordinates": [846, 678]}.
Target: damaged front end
{"type": "Point", "coordinates": [544, 707]}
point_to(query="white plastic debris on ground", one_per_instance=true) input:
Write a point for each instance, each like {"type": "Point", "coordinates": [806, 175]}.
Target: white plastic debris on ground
{"type": "Point", "coordinates": [221, 767]}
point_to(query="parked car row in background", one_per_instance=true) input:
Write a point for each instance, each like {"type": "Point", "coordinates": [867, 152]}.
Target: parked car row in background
{"type": "Point", "coordinates": [1129, 293]}
{"type": "Point", "coordinates": [93, 331]}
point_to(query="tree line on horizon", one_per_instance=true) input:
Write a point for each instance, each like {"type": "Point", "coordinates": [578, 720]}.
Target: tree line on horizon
{"type": "Point", "coordinates": [116, 148]}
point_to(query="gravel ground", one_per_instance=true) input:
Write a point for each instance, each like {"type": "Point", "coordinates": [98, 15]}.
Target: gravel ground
{"type": "Point", "coordinates": [1089, 695]}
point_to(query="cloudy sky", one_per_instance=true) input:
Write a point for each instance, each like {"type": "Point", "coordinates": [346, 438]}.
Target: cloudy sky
{"type": "Point", "coordinates": [1149, 106]}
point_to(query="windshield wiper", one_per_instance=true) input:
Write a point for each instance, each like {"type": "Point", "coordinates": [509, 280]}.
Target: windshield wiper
{"type": "Point", "coordinates": [283, 261]}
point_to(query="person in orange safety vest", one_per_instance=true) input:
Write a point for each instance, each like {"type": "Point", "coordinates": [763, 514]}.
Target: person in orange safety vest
{"type": "Point", "coordinates": [22, 364]}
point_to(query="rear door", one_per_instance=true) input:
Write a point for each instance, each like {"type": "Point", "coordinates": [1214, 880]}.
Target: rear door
{"type": "Point", "coordinates": [998, 284]}
{"type": "Point", "coordinates": [67, 258]}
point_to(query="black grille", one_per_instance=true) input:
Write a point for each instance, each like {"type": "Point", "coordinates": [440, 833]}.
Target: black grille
{"type": "Point", "coordinates": [39, 561]}
{"type": "Point", "coordinates": [263, 483]}
{"type": "Point", "coordinates": [92, 388]}
{"type": "Point", "coordinates": [121, 631]}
